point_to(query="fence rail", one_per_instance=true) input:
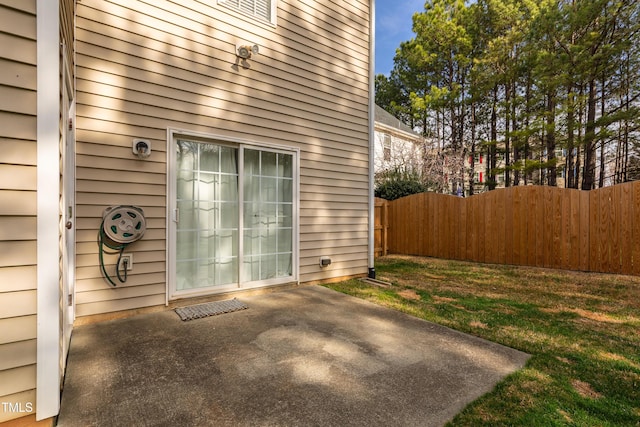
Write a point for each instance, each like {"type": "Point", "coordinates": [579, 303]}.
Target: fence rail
{"type": "Point", "coordinates": [569, 229]}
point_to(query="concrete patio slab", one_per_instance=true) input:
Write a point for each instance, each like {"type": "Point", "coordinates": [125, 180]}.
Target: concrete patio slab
{"type": "Point", "coordinates": [303, 357]}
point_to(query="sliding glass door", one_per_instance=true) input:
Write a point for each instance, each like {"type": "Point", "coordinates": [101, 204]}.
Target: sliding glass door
{"type": "Point", "coordinates": [234, 217]}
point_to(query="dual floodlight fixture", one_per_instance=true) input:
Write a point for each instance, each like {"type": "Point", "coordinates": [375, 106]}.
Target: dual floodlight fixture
{"type": "Point", "coordinates": [245, 50]}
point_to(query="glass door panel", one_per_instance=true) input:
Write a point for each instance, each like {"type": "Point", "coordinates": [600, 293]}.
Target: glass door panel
{"type": "Point", "coordinates": [207, 232]}
{"type": "Point", "coordinates": [267, 225]}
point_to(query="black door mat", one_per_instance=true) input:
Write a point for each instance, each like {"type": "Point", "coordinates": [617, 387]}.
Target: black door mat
{"type": "Point", "coordinates": [199, 311]}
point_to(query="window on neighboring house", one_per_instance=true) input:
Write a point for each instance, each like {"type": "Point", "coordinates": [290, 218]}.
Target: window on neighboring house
{"type": "Point", "coordinates": [386, 146]}
{"type": "Point", "coordinates": [262, 9]}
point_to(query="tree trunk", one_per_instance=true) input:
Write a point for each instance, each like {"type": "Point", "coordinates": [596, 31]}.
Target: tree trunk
{"type": "Point", "coordinates": [602, 137]}
{"type": "Point", "coordinates": [507, 134]}
{"type": "Point", "coordinates": [551, 139]}
{"type": "Point", "coordinates": [473, 149]}
{"type": "Point", "coordinates": [492, 161]}
{"type": "Point", "coordinates": [589, 172]}
{"type": "Point", "coordinates": [569, 167]}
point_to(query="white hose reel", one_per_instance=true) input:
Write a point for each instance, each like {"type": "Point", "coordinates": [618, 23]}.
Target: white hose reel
{"type": "Point", "coordinates": [124, 224]}
{"type": "Point", "coordinates": [121, 225]}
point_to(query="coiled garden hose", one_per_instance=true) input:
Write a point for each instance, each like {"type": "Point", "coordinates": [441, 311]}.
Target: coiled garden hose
{"type": "Point", "coordinates": [103, 240]}
{"type": "Point", "coordinates": [120, 226]}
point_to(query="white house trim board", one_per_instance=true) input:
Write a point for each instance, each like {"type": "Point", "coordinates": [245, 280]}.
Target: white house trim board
{"type": "Point", "coordinates": [48, 191]}
{"type": "Point", "coordinates": [372, 106]}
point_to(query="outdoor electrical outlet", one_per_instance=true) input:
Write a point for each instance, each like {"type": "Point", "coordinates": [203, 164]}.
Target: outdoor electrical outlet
{"type": "Point", "coordinates": [129, 261]}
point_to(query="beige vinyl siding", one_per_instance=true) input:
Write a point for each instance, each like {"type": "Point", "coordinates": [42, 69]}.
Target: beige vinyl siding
{"type": "Point", "coordinates": [17, 203]}
{"type": "Point", "coordinates": [146, 67]}
{"type": "Point", "coordinates": [66, 30]}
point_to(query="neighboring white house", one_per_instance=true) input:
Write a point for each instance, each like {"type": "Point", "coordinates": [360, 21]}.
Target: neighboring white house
{"type": "Point", "coordinates": [244, 135]}
{"type": "Point", "coordinates": [396, 144]}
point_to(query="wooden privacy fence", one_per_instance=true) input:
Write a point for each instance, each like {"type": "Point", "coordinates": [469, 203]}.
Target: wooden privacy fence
{"type": "Point", "coordinates": [381, 227]}
{"type": "Point", "coordinates": [597, 230]}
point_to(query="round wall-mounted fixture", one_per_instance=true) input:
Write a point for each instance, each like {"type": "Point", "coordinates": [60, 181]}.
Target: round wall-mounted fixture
{"type": "Point", "coordinates": [141, 148]}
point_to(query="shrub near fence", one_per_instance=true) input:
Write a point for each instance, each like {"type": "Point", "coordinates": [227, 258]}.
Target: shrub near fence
{"type": "Point", "coordinates": [539, 226]}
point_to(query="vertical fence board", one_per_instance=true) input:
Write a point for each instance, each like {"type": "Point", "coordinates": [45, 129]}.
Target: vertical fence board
{"type": "Point", "coordinates": [547, 228]}
{"type": "Point", "coordinates": [454, 226]}
{"type": "Point", "coordinates": [635, 227]}
{"type": "Point", "coordinates": [516, 257]}
{"type": "Point", "coordinates": [418, 222]}
{"type": "Point", "coordinates": [472, 228]}
{"type": "Point", "coordinates": [615, 229]}
{"type": "Point", "coordinates": [432, 224]}
{"type": "Point", "coordinates": [565, 229]}
{"type": "Point", "coordinates": [448, 225]}
{"type": "Point", "coordinates": [537, 231]}
{"type": "Point", "coordinates": [594, 231]}
{"type": "Point", "coordinates": [485, 227]}
{"type": "Point", "coordinates": [573, 217]}
{"type": "Point", "coordinates": [462, 232]}
{"type": "Point", "coordinates": [394, 233]}
{"type": "Point", "coordinates": [492, 243]}
{"type": "Point", "coordinates": [626, 235]}
{"type": "Point", "coordinates": [442, 233]}
{"type": "Point", "coordinates": [585, 231]}
{"type": "Point", "coordinates": [604, 229]}
{"type": "Point", "coordinates": [556, 247]}
{"type": "Point", "coordinates": [508, 226]}
{"type": "Point", "coordinates": [526, 224]}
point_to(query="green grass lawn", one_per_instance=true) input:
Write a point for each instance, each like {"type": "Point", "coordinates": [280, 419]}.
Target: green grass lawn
{"type": "Point", "coordinates": [582, 330]}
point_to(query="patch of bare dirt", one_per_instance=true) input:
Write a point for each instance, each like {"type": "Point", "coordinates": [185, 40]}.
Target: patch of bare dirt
{"type": "Point", "coordinates": [478, 324]}
{"type": "Point", "coordinates": [564, 360]}
{"type": "Point", "coordinates": [437, 298]}
{"type": "Point", "coordinates": [409, 294]}
{"type": "Point", "coordinates": [584, 389]}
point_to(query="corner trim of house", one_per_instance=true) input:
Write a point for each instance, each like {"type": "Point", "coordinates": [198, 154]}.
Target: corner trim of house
{"type": "Point", "coordinates": [372, 115]}
{"type": "Point", "coordinates": [48, 191]}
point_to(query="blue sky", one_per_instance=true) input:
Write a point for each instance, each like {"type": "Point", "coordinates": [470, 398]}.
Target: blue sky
{"type": "Point", "coordinates": [393, 25]}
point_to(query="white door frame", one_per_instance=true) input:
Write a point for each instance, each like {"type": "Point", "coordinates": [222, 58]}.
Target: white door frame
{"type": "Point", "coordinates": [68, 206]}
{"type": "Point", "coordinates": [172, 136]}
